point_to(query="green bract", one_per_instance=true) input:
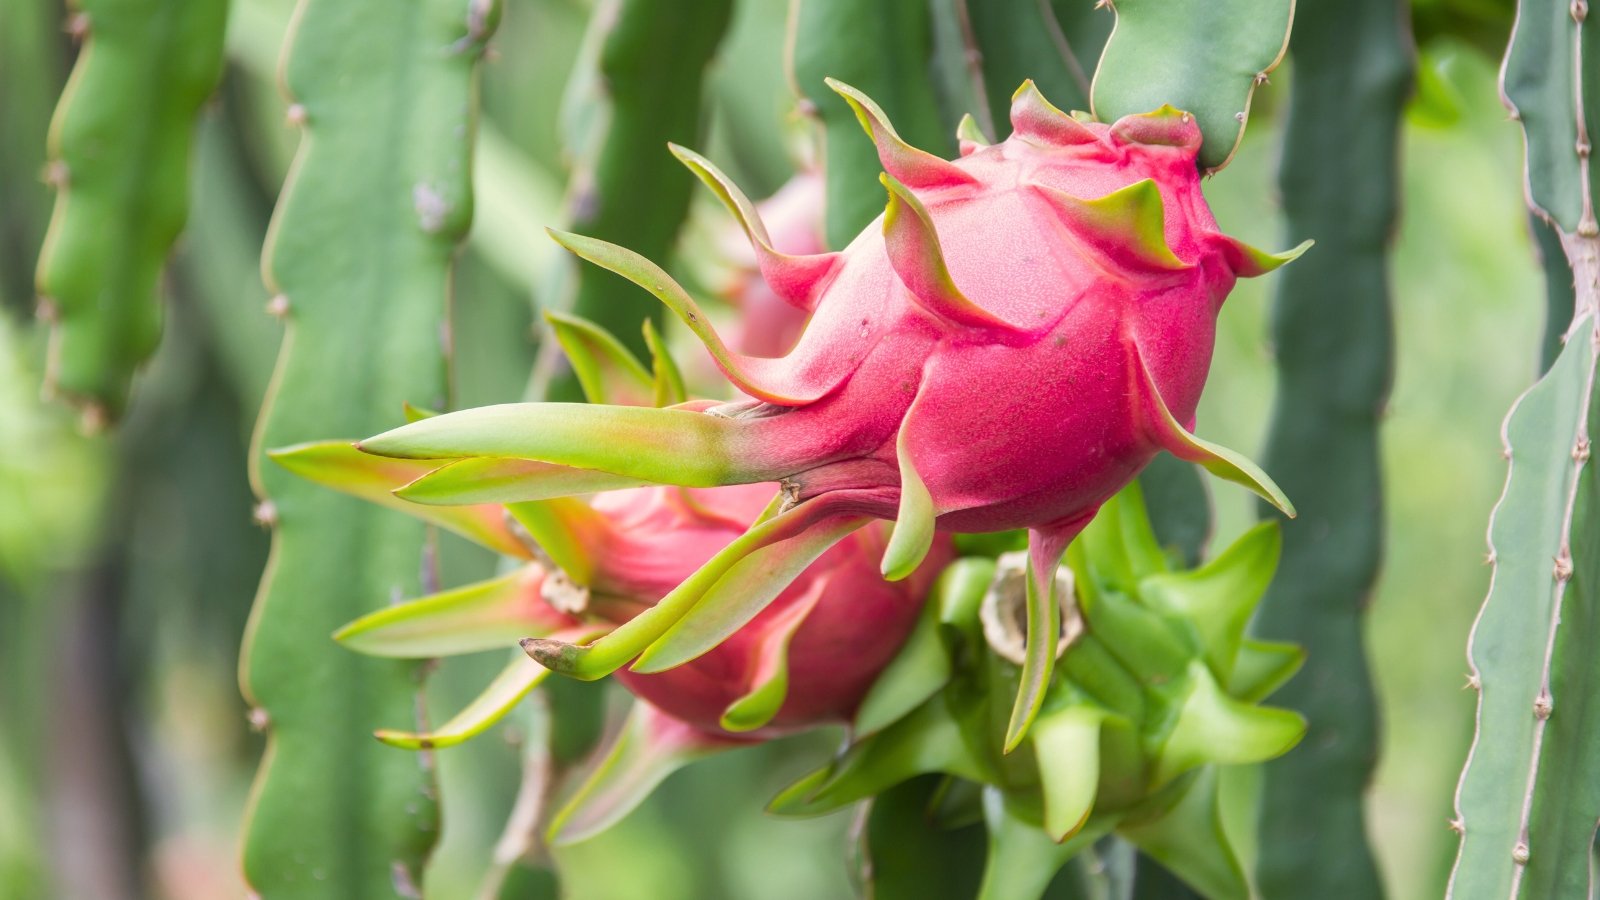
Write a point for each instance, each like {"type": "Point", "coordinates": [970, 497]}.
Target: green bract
{"type": "Point", "coordinates": [1157, 688]}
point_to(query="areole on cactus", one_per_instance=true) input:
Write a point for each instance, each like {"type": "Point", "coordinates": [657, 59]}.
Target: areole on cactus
{"type": "Point", "coordinates": [1025, 329]}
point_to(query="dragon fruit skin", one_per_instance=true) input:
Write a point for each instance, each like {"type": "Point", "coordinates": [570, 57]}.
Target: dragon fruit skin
{"type": "Point", "coordinates": [853, 621]}
{"type": "Point", "coordinates": [1018, 335]}
{"type": "Point", "coordinates": [769, 325]}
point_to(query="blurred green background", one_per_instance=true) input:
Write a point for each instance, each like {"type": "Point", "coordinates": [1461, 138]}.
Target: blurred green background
{"type": "Point", "coordinates": [128, 562]}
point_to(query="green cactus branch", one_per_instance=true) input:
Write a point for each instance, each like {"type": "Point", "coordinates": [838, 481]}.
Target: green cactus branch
{"type": "Point", "coordinates": [119, 159]}
{"type": "Point", "coordinates": [358, 255]}
{"type": "Point", "coordinates": [1331, 330]}
{"type": "Point", "coordinates": [1529, 794]}
{"type": "Point", "coordinates": [1203, 56]}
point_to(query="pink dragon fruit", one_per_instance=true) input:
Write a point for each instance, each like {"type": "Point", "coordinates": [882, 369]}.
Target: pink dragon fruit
{"type": "Point", "coordinates": [828, 633]}
{"type": "Point", "coordinates": [806, 658]}
{"type": "Point", "coordinates": [1022, 331]}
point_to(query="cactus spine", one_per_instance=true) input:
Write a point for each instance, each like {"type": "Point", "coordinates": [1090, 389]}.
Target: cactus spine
{"type": "Point", "coordinates": [360, 249]}
{"type": "Point", "coordinates": [1332, 333]}
{"type": "Point", "coordinates": [1529, 794]}
{"type": "Point", "coordinates": [119, 159]}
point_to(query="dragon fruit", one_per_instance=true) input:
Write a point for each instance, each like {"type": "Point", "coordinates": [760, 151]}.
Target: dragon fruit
{"type": "Point", "coordinates": [833, 628]}
{"type": "Point", "coordinates": [1017, 336]}
{"type": "Point", "coordinates": [806, 659]}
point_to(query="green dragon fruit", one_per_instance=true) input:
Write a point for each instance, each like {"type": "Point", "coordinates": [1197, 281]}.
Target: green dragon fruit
{"type": "Point", "coordinates": [1019, 334]}
{"type": "Point", "coordinates": [1156, 689]}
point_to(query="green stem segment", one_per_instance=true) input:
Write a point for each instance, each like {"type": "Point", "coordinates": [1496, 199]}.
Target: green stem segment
{"type": "Point", "coordinates": [1331, 327]}
{"type": "Point", "coordinates": [360, 253]}
{"type": "Point", "coordinates": [1529, 795]}
{"type": "Point", "coordinates": [119, 158]}
{"type": "Point", "coordinates": [1206, 57]}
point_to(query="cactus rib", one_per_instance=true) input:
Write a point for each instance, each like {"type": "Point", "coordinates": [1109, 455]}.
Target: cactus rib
{"type": "Point", "coordinates": [360, 248]}
{"type": "Point", "coordinates": [119, 159]}
{"type": "Point", "coordinates": [1529, 797]}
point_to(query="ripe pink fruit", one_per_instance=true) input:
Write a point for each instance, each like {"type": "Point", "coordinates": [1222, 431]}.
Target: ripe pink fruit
{"type": "Point", "coordinates": [1023, 330]}
{"type": "Point", "coordinates": [834, 627]}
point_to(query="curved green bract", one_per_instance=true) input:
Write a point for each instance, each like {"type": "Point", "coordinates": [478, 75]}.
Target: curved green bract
{"type": "Point", "coordinates": [769, 685]}
{"type": "Point", "coordinates": [651, 746]}
{"type": "Point", "coordinates": [605, 369]}
{"type": "Point", "coordinates": [664, 446]}
{"type": "Point", "coordinates": [1203, 56]}
{"type": "Point", "coordinates": [481, 616]}
{"type": "Point", "coordinates": [1042, 603]}
{"type": "Point", "coordinates": [739, 595]}
{"type": "Point", "coordinates": [1332, 333]}
{"type": "Point", "coordinates": [515, 681]}
{"type": "Point", "coordinates": [339, 465]}
{"type": "Point", "coordinates": [360, 246]}
{"type": "Point", "coordinates": [119, 151]}
{"type": "Point", "coordinates": [884, 50]}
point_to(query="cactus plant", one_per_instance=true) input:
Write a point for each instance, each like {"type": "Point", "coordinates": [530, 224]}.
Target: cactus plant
{"type": "Point", "coordinates": [1331, 334]}
{"type": "Point", "coordinates": [119, 148]}
{"type": "Point", "coordinates": [385, 177]}
{"type": "Point", "coordinates": [1204, 56]}
{"type": "Point", "coordinates": [1528, 798]}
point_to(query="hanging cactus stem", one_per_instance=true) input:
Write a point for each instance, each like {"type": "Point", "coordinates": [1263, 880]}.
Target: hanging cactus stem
{"type": "Point", "coordinates": [119, 161]}
{"type": "Point", "coordinates": [333, 813]}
